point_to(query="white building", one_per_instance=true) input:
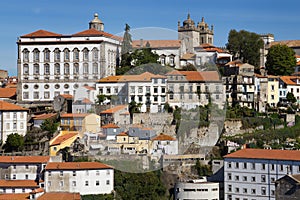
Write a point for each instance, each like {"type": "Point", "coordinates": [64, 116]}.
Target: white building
{"type": "Point", "coordinates": [83, 177]}
{"type": "Point", "coordinates": [197, 189]}
{"type": "Point", "coordinates": [290, 84]}
{"type": "Point", "coordinates": [251, 173]}
{"type": "Point", "coordinates": [13, 119]}
{"type": "Point", "coordinates": [147, 89]}
{"type": "Point", "coordinates": [50, 64]}
{"type": "Point", "coordinates": [164, 144]}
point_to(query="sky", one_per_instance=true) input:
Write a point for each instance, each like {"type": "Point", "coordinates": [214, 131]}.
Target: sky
{"type": "Point", "coordinates": [18, 18]}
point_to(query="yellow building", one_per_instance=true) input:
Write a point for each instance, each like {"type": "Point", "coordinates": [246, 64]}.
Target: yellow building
{"type": "Point", "coordinates": [273, 91]}
{"type": "Point", "coordinates": [62, 140]}
{"type": "Point", "coordinates": [82, 122]}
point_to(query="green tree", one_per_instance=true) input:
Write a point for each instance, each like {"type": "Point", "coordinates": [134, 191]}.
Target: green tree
{"type": "Point", "coordinates": [290, 97]}
{"type": "Point", "coordinates": [50, 125]}
{"type": "Point", "coordinates": [281, 60]}
{"type": "Point", "coordinates": [14, 142]}
{"type": "Point", "coordinates": [144, 56]}
{"type": "Point", "coordinates": [245, 46]}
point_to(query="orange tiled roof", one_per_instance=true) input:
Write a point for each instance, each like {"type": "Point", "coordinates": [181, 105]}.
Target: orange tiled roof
{"type": "Point", "coordinates": [289, 80]}
{"type": "Point", "coordinates": [163, 137]}
{"type": "Point", "coordinates": [110, 125]}
{"type": "Point", "coordinates": [8, 92]}
{"type": "Point", "coordinates": [144, 77]}
{"type": "Point", "coordinates": [211, 48]}
{"type": "Point", "coordinates": [5, 106]}
{"type": "Point", "coordinates": [86, 101]}
{"type": "Point", "coordinates": [76, 165]}
{"type": "Point", "coordinates": [114, 109]}
{"type": "Point", "coordinates": [122, 134]}
{"type": "Point", "coordinates": [38, 190]}
{"type": "Point", "coordinates": [22, 196]}
{"type": "Point", "coordinates": [235, 63]}
{"type": "Point", "coordinates": [198, 76]}
{"type": "Point", "coordinates": [11, 85]}
{"type": "Point", "coordinates": [157, 43]}
{"type": "Point", "coordinates": [89, 87]}
{"type": "Point", "coordinates": [67, 96]}
{"type": "Point", "coordinates": [60, 196]}
{"type": "Point", "coordinates": [24, 159]}
{"type": "Point", "coordinates": [44, 116]}
{"type": "Point", "coordinates": [41, 33]}
{"type": "Point", "coordinates": [18, 184]}
{"type": "Point", "coordinates": [268, 154]}
{"type": "Point", "coordinates": [74, 115]}
{"type": "Point", "coordinates": [92, 32]}
{"type": "Point", "coordinates": [62, 138]}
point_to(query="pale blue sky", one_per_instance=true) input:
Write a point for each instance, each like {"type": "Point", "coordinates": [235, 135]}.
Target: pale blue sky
{"type": "Point", "coordinates": [17, 18]}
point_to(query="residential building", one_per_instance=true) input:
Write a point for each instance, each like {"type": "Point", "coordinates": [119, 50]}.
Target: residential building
{"type": "Point", "coordinates": [81, 122]}
{"type": "Point", "coordinates": [146, 89]}
{"type": "Point", "coordinates": [111, 130]}
{"type": "Point", "coordinates": [50, 64]}
{"type": "Point", "coordinates": [273, 91]}
{"type": "Point", "coordinates": [8, 94]}
{"type": "Point", "coordinates": [13, 119]}
{"type": "Point", "coordinates": [143, 133]}
{"type": "Point", "coordinates": [195, 189]}
{"type": "Point", "coordinates": [189, 89]}
{"type": "Point", "coordinates": [62, 140]}
{"type": "Point", "coordinates": [83, 177]}
{"type": "Point", "coordinates": [287, 187]}
{"type": "Point", "coordinates": [251, 173]}
{"type": "Point", "coordinates": [118, 114]}
{"type": "Point", "coordinates": [291, 84]}
{"type": "Point", "coordinates": [17, 186]}
{"type": "Point", "coordinates": [164, 144]}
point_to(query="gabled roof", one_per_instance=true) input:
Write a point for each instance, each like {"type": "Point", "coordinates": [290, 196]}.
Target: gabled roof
{"type": "Point", "coordinates": [289, 79]}
{"type": "Point", "coordinates": [211, 48]}
{"type": "Point", "coordinates": [18, 184]}
{"type": "Point", "coordinates": [41, 34]}
{"type": "Point", "coordinates": [156, 43]}
{"type": "Point", "coordinates": [110, 125]}
{"type": "Point", "coordinates": [44, 116]}
{"type": "Point", "coordinates": [62, 138]}
{"type": "Point", "coordinates": [11, 196]}
{"type": "Point", "coordinates": [5, 106]}
{"type": "Point", "coordinates": [114, 109]}
{"type": "Point", "coordinates": [163, 137]}
{"type": "Point", "coordinates": [144, 77]}
{"type": "Point", "coordinates": [8, 92]}
{"type": "Point", "coordinates": [267, 154]}
{"type": "Point", "coordinates": [198, 76]}
{"type": "Point", "coordinates": [24, 159]}
{"type": "Point", "coordinates": [74, 115]}
{"type": "Point", "coordinates": [60, 196]}
{"type": "Point", "coordinates": [92, 32]}
{"type": "Point", "coordinates": [76, 166]}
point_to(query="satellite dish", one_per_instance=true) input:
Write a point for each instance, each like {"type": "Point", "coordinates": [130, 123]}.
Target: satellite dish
{"type": "Point", "coordinates": [58, 103]}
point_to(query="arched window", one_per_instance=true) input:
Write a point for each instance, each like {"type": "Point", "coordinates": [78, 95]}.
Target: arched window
{"type": "Point", "coordinates": [25, 55]}
{"type": "Point", "coordinates": [47, 69]}
{"type": "Point", "coordinates": [75, 54]}
{"type": "Point", "coordinates": [95, 68]}
{"type": "Point", "coordinates": [46, 55]}
{"type": "Point", "coordinates": [57, 55]}
{"type": "Point", "coordinates": [66, 69]}
{"type": "Point", "coordinates": [25, 69]}
{"type": "Point", "coordinates": [57, 68]}
{"type": "Point", "coordinates": [66, 54]}
{"type": "Point", "coordinates": [76, 68]}
{"type": "Point", "coordinates": [36, 69]}
{"type": "Point", "coordinates": [36, 55]}
{"type": "Point", "coordinates": [95, 54]}
{"type": "Point", "coordinates": [85, 54]}
{"type": "Point", "coordinates": [85, 68]}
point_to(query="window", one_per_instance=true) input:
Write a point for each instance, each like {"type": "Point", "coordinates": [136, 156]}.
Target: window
{"type": "Point", "coordinates": [46, 69]}
{"type": "Point", "coordinates": [95, 68]}
{"type": "Point", "coordinates": [171, 60]}
{"type": "Point", "coordinates": [253, 179]}
{"type": "Point", "coordinates": [36, 55]}
{"type": "Point", "coordinates": [155, 90]}
{"type": "Point", "coordinates": [229, 164]}
{"type": "Point", "coordinates": [49, 183]}
{"type": "Point", "coordinates": [61, 183]}
{"type": "Point", "coordinates": [162, 60]}
{"type": "Point", "coordinates": [7, 125]}
{"type": "Point", "coordinates": [272, 167]}
{"type": "Point", "coordinates": [26, 176]}
{"type": "Point", "coordinates": [253, 166]}
{"type": "Point", "coordinates": [73, 183]}
{"type": "Point", "coordinates": [36, 69]}
{"type": "Point", "coordinates": [263, 178]}
{"type": "Point", "coordinates": [237, 178]}
{"type": "Point", "coordinates": [86, 183]}
{"type": "Point", "coordinates": [46, 55]}
{"type": "Point", "coordinates": [237, 165]}
{"type": "Point", "coordinates": [14, 176]}
{"type": "Point", "coordinates": [49, 173]}
{"type": "Point", "coordinates": [244, 178]}
{"type": "Point", "coordinates": [97, 183]}
{"type": "Point", "coordinates": [140, 89]}
{"type": "Point", "coordinates": [85, 54]}
{"type": "Point", "coordinates": [25, 55]}
{"type": "Point", "coordinates": [13, 190]}
{"type": "Point", "coordinates": [107, 172]}
{"type": "Point", "coordinates": [253, 191]}
{"type": "Point", "coordinates": [76, 68]}
{"type": "Point", "coordinates": [237, 190]}
{"type": "Point", "coordinates": [76, 54]}
{"type": "Point", "coordinates": [66, 54]}
{"type": "Point", "coordinates": [15, 126]}
{"type": "Point", "coordinates": [85, 68]}
{"type": "Point", "coordinates": [25, 69]}
{"type": "Point", "coordinates": [61, 173]}
{"type": "Point", "coordinates": [86, 172]}
{"type": "Point", "coordinates": [107, 182]}
{"type": "Point", "coordinates": [229, 188]}
{"type": "Point", "coordinates": [67, 69]}
{"type": "Point", "coordinates": [25, 95]}
{"type": "Point", "coordinates": [263, 190]}
{"type": "Point", "coordinates": [155, 98]}
{"type": "Point", "coordinates": [263, 166]}
{"type": "Point", "coordinates": [74, 173]}
{"type": "Point", "coordinates": [46, 95]}
{"type": "Point", "coordinates": [36, 95]}
{"type": "Point", "coordinates": [245, 190]}
{"type": "Point", "coordinates": [57, 68]}
{"type": "Point", "coordinates": [97, 173]}
{"type": "Point", "coordinates": [245, 165]}
{"type": "Point", "coordinates": [95, 54]}
{"type": "Point", "coordinates": [56, 55]}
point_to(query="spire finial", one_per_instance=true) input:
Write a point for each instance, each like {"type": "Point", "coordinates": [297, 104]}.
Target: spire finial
{"type": "Point", "coordinates": [202, 20]}
{"type": "Point", "coordinates": [189, 16]}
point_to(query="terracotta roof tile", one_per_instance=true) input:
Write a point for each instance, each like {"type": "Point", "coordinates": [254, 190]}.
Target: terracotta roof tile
{"type": "Point", "coordinates": [211, 48]}
{"type": "Point", "coordinates": [8, 92]}
{"type": "Point", "coordinates": [44, 116]}
{"type": "Point", "coordinates": [5, 106]}
{"type": "Point", "coordinates": [86, 101]}
{"type": "Point", "coordinates": [114, 109]}
{"type": "Point", "coordinates": [163, 137]}
{"type": "Point", "coordinates": [89, 87]}
{"type": "Point", "coordinates": [268, 154]}
{"type": "Point", "coordinates": [67, 96]}
{"type": "Point", "coordinates": [289, 80]}
{"type": "Point", "coordinates": [24, 159]}
{"type": "Point", "coordinates": [144, 77]}
{"type": "Point", "coordinates": [76, 165]}
{"type": "Point", "coordinates": [74, 115]}
{"type": "Point", "coordinates": [62, 138]}
{"type": "Point", "coordinates": [18, 184]}
{"type": "Point", "coordinates": [60, 196]}
{"type": "Point", "coordinates": [41, 33]}
{"type": "Point", "coordinates": [157, 43]}
{"type": "Point", "coordinates": [110, 125]}
{"type": "Point", "coordinates": [24, 196]}
{"type": "Point", "coordinates": [122, 134]}
{"type": "Point", "coordinates": [38, 190]}
{"type": "Point", "coordinates": [198, 76]}
{"type": "Point", "coordinates": [92, 32]}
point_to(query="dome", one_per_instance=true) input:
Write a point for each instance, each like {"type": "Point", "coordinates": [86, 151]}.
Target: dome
{"type": "Point", "coordinates": [188, 21]}
{"type": "Point", "coordinates": [96, 19]}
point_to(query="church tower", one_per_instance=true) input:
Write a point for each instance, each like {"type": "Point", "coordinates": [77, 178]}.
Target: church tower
{"type": "Point", "coordinates": [96, 23]}
{"type": "Point", "coordinates": [195, 35]}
